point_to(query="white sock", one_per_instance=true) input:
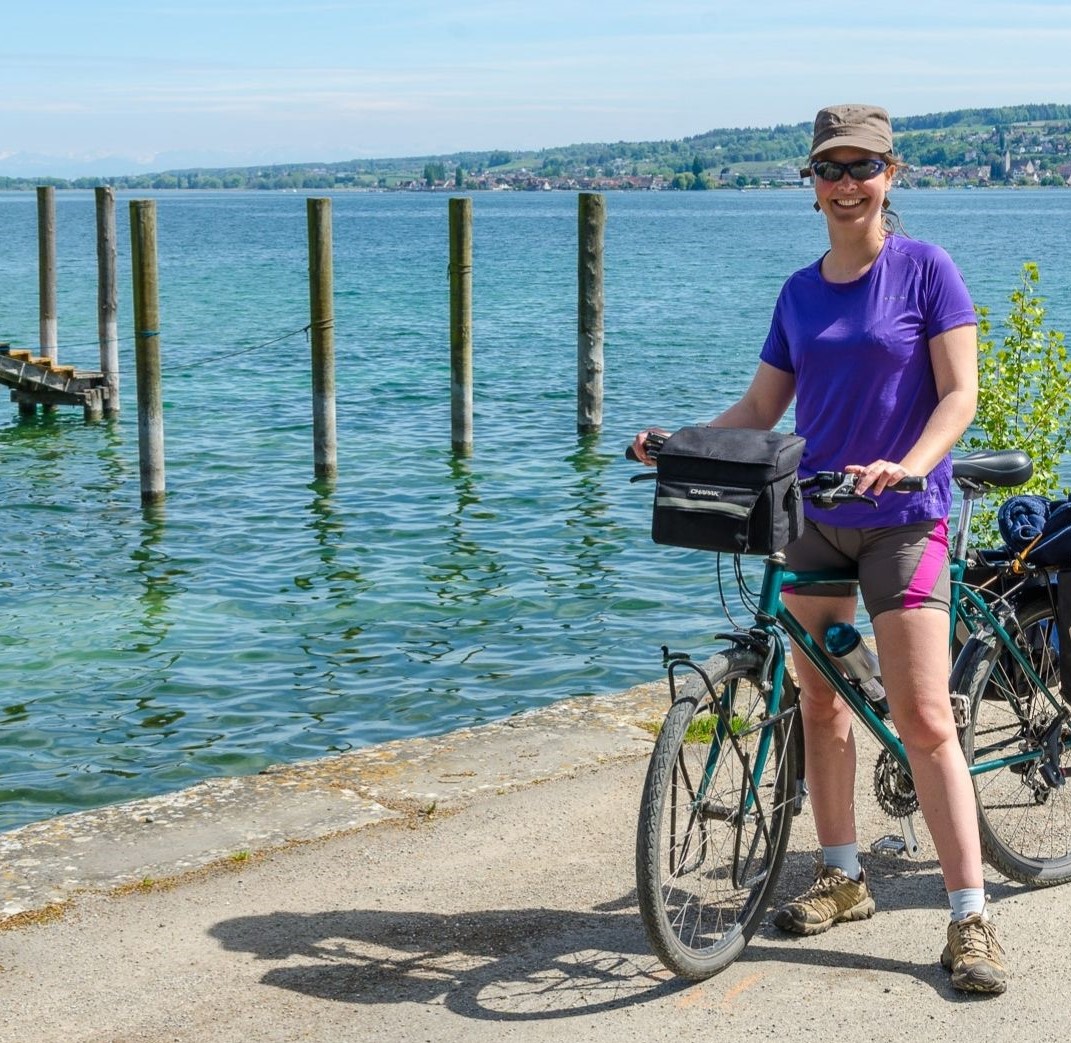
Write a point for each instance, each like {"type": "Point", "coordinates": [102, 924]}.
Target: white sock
{"type": "Point", "coordinates": [965, 901]}
{"type": "Point", "coordinates": [844, 857]}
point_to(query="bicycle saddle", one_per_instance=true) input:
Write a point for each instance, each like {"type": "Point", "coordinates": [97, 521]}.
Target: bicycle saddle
{"type": "Point", "coordinates": [995, 467]}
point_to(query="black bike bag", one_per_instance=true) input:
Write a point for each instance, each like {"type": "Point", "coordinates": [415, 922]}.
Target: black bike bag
{"type": "Point", "coordinates": [732, 490]}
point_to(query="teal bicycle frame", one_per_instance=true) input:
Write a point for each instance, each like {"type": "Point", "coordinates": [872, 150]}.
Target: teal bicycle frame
{"type": "Point", "coordinates": [773, 618]}
{"type": "Point", "coordinates": [971, 613]}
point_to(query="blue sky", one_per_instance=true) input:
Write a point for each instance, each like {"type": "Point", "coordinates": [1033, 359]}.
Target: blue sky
{"type": "Point", "coordinates": [121, 85]}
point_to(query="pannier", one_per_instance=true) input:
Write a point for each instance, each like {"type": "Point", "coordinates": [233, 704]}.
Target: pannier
{"type": "Point", "coordinates": [732, 490]}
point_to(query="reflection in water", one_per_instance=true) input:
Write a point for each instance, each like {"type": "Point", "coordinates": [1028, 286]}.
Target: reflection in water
{"type": "Point", "coordinates": [337, 568]}
{"type": "Point", "coordinates": [462, 576]}
{"type": "Point", "coordinates": [114, 467]}
{"type": "Point", "coordinates": [159, 578]}
{"type": "Point", "coordinates": [160, 581]}
{"type": "Point", "coordinates": [467, 572]}
{"type": "Point", "coordinates": [333, 658]}
{"type": "Point", "coordinates": [590, 520]}
{"type": "Point", "coordinates": [326, 526]}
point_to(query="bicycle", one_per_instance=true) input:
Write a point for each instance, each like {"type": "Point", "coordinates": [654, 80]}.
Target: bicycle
{"type": "Point", "coordinates": [725, 778]}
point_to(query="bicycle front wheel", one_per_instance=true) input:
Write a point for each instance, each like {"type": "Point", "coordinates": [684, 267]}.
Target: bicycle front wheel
{"type": "Point", "coordinates": [1024, 805]}
{"type": "Point", "coordinates": [715, 817]}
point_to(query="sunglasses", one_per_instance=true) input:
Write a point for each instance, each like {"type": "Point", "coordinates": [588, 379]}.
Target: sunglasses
{"type": "Point", "coordinates": [858, 169]}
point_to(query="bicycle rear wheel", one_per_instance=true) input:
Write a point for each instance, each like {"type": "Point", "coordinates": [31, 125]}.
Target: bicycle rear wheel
{"type": "Point", "coordinates": [715, 817]}
{"type": "Point", "coordinates": [1024, 809]}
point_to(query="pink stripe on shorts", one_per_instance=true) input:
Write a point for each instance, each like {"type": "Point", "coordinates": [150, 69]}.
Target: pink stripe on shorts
{"type": "Point", "coordinates": [928, 570]}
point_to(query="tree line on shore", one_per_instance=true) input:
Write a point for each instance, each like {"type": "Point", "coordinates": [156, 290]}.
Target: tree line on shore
{"type": "Point", "coordinates": [997, 140]}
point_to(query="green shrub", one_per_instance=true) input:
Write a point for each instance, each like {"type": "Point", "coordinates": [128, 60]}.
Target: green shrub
{"type": "Point", "coordinates": [1024, 395]}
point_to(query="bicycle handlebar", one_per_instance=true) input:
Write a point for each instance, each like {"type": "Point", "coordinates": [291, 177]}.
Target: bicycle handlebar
{"type": "Point", "coordinates": [825, 488]}
{"type": "Point", "coordinates": [652, 443]}
{"type": "Point", "coordinates": [829, 488]}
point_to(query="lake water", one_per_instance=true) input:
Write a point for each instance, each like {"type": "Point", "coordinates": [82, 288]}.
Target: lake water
{"type": "Point", "coordinates": [258, 617]}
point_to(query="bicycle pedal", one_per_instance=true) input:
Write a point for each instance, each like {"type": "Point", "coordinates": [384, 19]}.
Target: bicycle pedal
{"type": "Point", "coordinates": [890, 844]}
{"type": "Point", "coordinates": [907, 844]}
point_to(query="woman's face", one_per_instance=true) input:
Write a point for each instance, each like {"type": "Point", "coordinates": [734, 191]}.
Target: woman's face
{"type": "Point", "coordinates": [849, 202]}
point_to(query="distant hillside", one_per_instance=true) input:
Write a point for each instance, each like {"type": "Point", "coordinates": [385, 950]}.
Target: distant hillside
{"type": "Point", "coordinates": [963, 142]}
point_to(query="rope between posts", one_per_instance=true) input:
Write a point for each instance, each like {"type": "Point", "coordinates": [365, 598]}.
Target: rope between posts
{"type": "Point", "coordinates": [324, 324]}
{"type": "Point", "coordinates": [239, 352]}
{"type": "Point", "coordinates": [321, 326]}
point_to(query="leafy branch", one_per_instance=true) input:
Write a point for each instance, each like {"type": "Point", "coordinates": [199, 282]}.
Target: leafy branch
{"type": "Point", "coordinates": [1024, 391]}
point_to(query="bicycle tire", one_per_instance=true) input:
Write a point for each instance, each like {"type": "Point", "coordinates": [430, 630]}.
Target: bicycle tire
{"type": "Point", "coordinates": [1024, 822]}
{"type": "Point", "coordinates": [705, 872]}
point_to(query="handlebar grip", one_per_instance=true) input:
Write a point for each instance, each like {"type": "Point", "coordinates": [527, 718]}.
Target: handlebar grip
{"type": "Point", "coordinates": [912, 483]}
{"type": "Point", "coordinates": [652, 443]}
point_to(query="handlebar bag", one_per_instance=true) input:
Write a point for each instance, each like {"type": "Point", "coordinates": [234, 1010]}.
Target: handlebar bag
{"type": "Point", "coordinates": [732, 490]}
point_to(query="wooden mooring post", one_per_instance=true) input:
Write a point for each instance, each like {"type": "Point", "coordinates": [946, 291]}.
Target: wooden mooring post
{"type": "Point", "coordinates": [107, 298]}
{"type": "Point", "coordinates": [589, 341]}
{"type": "Point", "coordinates": [147, 350]}
{"type": "Point", "coordinates": [48, 334]}
{"type": "Point", "coordinates": [460, 210]}
{"type": "Point", "coordinates": [322, 324]}
{"type": "Point", "coordinates": [46, 271]}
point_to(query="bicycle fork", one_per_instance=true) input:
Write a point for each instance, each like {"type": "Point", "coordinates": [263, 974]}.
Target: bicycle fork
{"type": "Point", "coordinates": [747, 869]}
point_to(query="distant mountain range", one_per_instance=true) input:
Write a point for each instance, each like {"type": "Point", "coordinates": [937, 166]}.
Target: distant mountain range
{"type": "Point", "coordinates": [117, 165]}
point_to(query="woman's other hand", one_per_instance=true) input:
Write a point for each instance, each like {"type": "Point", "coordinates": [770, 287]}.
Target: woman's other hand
{"type": "Point", "coordinates": [640, 444]}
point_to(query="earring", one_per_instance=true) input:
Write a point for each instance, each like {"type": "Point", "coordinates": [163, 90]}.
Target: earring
{"type": "Point", "coordinates": [817, 208]}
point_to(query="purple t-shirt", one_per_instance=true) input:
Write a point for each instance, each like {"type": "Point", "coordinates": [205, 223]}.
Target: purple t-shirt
{"type": "Point", "coordinates": [860, 354]}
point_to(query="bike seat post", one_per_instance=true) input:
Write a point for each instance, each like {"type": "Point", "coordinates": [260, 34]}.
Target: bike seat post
{"type": "Point", "coordinates": [966, 514]}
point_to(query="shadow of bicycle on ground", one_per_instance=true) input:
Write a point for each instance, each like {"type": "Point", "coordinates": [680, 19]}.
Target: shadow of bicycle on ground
{"type": "Point", "coordinates": [500, 964]}
{"type": "Point", "coordinates": [533, 963]}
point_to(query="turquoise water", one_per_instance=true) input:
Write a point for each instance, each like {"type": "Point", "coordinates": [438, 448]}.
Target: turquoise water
{"type": "Point", "coordinates": [259, 617]}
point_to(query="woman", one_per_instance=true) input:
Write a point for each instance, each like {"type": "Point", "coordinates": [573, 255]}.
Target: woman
{"type": "Point", "coordinates": [876, 341]}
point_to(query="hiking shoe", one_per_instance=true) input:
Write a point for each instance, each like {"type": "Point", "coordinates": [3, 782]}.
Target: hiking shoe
{"type": "Point", "coordinates": [973, 955]}
{"type": "Point", "coordinates": [833, 898]}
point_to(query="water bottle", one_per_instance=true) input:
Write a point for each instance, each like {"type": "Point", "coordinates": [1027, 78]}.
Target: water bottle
{"type": "Point", "coordinates": [859, 664]}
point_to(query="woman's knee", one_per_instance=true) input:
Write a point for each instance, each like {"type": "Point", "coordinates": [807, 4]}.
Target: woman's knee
{"type": "Point", "coordinates": [923, 734]}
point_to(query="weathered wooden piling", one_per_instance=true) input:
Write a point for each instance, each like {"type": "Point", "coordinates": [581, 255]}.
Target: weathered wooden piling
{"type": "Point", "coordinates": [322, 326]}
{"type": "Point", "coordinates": [107, 298]}
{"type": "Point", "coordinates": [46, 271]}
{"type": "Point", "coordinates": [589, 341]}
{"type": "Point", "coordinates": [147, 350]}
{"type": "Point", "coordinates": [460, 210]}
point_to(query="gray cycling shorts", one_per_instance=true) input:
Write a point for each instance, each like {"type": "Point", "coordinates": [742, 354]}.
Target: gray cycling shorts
{"type": "Point", "coordinates": [900, 566]}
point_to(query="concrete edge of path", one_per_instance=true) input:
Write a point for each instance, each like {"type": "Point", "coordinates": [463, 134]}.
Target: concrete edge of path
{"type": "Point", "coordinates": [226, 820]}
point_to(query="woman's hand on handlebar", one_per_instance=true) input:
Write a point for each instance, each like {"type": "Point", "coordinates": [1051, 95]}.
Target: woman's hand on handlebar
{"type": "Point", "coordinates": [875, 478]}
{"type": "Point", "coordinates": [646, 444]}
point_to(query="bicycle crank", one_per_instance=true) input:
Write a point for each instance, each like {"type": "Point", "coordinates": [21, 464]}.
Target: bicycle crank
{"type": "Point", "coordinates": [897, 798]}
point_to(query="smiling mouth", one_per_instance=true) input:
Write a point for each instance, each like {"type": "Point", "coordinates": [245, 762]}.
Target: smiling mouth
{"type": "Point", "coordinates": [847, 203]}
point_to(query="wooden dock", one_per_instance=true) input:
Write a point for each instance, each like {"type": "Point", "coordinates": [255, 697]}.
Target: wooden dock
{"type": "Point", "coordinates": [38, 381]}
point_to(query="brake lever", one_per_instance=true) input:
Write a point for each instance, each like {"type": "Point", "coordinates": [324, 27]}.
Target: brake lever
{"type": "Point", "coordinates": [842, 493]}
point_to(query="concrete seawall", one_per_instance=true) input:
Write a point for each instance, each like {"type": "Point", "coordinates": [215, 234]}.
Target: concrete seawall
{"type": "Point", "coordinates": [214, 822]}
